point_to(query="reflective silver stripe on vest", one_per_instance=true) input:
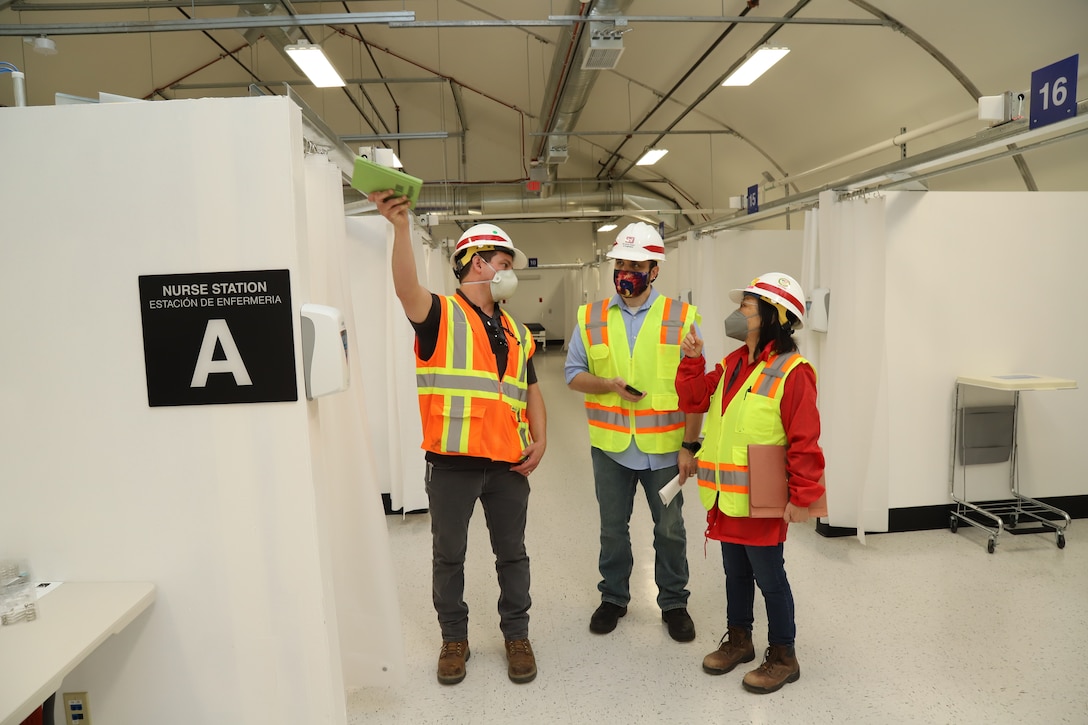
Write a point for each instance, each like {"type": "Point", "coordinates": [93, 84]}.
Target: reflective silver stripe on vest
{"type": "Point", "coordinates": [773, 370]}
{"type": "Point", "coordinates": [596, 325]}
{"type": "Point", "coordinates": [456, 420]}
{"type": "Point", "coordinates": [461, 335]}
{"type": "Point", "coordinates": [607, 417]}
{"type": "Point", "coordinates": [512, 391]}
{"type": "Point", "coordinates": [727, 477]}
{"type": "Point", "coordinates": [522, 336]}
{"type": "Point", "coordinates": [453, 381]}
{"type": "Point", "coordinates": [674, 324]}
{"type": "Point", "coordinates": [658, 420]}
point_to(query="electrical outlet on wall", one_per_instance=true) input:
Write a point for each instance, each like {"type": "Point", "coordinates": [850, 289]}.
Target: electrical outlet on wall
{"type": "Point", "coordinates": [77, 710]}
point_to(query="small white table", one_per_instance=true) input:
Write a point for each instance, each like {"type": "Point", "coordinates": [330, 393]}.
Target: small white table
{"type": "Point", "coordinates": [997, 513]}
{"type": "Point", "coordinates": [72, 621]}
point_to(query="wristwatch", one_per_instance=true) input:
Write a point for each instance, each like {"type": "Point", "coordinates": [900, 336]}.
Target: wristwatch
{"type": "Point", "coordinates": [694, 446]}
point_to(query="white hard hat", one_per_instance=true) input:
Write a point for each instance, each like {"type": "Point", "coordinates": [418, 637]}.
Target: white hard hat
{"type": "Point", "coordinates": [777, 288]}
{"type": "Point", "coordinates": [638, 242]}
{"type": "Point", "coordinates": [484, 238]}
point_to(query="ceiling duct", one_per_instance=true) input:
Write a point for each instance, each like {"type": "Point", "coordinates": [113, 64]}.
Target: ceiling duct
{"type": "Point", "coordinates": [569, 84]}
{"type": "Point", "coordinates": [569, 200]}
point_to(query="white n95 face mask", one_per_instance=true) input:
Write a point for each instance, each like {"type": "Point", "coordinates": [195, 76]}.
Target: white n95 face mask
{"type": "Point", "coordinates": [503, 284]}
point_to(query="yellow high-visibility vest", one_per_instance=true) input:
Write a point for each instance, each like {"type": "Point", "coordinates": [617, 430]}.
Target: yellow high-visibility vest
{"type": "Point", "coordinates": [753, 416]}
{"type": "Point", "coordinates": [655, 421]}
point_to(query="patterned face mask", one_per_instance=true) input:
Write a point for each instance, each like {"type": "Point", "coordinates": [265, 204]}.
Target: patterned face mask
{"type": "Point", "coordinates": [630, 284]}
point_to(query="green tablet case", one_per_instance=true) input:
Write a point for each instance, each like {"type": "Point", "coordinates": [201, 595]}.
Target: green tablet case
{"type": "Point", "coordinates": [369, 176]}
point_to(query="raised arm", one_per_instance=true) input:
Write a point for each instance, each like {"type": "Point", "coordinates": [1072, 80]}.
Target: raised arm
{"type": "Point", "coordinates": [414, 297]}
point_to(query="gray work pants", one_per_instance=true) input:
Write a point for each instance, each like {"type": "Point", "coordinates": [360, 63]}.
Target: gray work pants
{"type": "Point", "coordinates": [504, 496]}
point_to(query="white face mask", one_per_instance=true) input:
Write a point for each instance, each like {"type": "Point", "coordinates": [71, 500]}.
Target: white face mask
{"type": "Point", "coordinates": [503, 284]}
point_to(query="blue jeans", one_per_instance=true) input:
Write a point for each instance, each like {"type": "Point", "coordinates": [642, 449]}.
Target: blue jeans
{"type": "Point", "coordinates": [615, 486]}
{"type": "Point", "coordinates": [746, 566]}
{"type": "Point", "coordinates": [504, 496]}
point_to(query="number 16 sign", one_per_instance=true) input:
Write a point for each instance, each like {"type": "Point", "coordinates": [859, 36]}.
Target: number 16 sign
{"type": "Point", "coordinates": [1054, 92]}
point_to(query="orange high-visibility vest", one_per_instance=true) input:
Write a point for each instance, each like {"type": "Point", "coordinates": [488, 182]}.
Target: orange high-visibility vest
{"type": "Point", "coordinates": [655, 421]}
{"type": "Point", "coordinates": [464, 405]}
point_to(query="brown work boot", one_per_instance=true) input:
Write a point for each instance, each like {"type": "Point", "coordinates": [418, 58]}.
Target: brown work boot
{"type": "Point", "coordinates": [735, 647]}
{"type": "Point", "coordinates": [451, 662]}
{"type": "Point", "coordinates": [779, 667]}
{"type": "Point", "coordinates": [522, 667]}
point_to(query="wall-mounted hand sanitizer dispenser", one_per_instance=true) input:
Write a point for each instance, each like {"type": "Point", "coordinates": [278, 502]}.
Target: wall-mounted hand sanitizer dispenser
{"type": "Point", "coordinates": [819, 309]}
{"type": "Point", "coordinates": [324, 350]}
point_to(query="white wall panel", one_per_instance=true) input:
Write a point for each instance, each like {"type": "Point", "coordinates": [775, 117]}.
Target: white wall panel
{"type": "Point", "coordinates": [214, 504]}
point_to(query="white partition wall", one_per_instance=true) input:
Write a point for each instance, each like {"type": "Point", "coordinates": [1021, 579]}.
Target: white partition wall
{"type": "Point", "coordinates": [387, 361]}
{"type": "Point", "coordinates": [350, 447]}
{"type": "Point", "coordinates": [985, 284]}
{"type": "Point", "coordinates": [221, 506]}
{"type": "Point", "coordinates": [927, 286]}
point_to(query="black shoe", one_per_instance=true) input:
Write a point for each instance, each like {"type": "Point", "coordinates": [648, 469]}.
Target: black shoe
{"type": "Point", "coordinates": [605, 618]}
{"type": "Point", "coordinates": [681, 628]}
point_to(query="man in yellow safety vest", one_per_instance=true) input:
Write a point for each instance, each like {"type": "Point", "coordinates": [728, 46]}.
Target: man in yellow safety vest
{"type": "Point", "coordinates": [623, 356]}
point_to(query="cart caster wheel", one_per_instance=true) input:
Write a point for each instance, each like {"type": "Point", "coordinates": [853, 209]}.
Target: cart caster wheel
{"type": "Point", "coordinates": [1012, 522]}
{"type": "Point", "coordinates": [990, 546]}
{"type": "Point", "coordinates": [1061, 540]}
{"type": "Point", "coordinates": [953, 524]}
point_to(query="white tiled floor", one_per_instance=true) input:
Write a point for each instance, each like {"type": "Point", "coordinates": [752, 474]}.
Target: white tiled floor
{"type": "Point", "coordinates": [922, 627]}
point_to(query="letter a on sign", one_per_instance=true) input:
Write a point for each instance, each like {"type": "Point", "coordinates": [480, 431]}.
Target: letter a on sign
{"type": "Point", "coordinates": [217, 331]}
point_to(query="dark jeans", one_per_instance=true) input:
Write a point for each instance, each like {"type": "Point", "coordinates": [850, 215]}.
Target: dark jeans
{"type": "Point", "coordinates": [504, 495]}
{"type": "Point", "coordinates": [746, 566]}
{"type": "Point", "coordinates": [615, 486]}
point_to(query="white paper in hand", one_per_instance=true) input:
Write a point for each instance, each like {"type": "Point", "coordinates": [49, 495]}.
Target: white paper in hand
{"type": "Point", "coordinates": [669, 490]}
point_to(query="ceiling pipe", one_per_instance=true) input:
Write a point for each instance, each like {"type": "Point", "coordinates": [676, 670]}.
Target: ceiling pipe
{"type": "Point", "coordinates": [570, 197]}
{"type": "Point", "coordinates": [890, 143]}
{"type": "Point", "coordinates": [569, 85]}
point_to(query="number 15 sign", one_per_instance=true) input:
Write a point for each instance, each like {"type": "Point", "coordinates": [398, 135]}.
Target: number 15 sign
{"type": "Point", "coordinates": [1054, 92]}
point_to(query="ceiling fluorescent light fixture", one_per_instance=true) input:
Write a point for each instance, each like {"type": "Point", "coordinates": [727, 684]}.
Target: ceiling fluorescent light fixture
{"type": "Point", "coordinates": [312, 61]}
{"type": "Point", "coordinates": [651, 157]}
{"type": "Point", "coordinates": [606, 227]}
{"type": "Point", "coordinates": [757, 64]}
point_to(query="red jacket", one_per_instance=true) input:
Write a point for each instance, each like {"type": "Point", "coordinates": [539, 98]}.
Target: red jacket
{"type": "Point", "coordinates": [800, 418]}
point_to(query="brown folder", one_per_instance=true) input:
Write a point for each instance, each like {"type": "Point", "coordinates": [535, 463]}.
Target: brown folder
{"type": "Point", "coordinates": [768, 492]}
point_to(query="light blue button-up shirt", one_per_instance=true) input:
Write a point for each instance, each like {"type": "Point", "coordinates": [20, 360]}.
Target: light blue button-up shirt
{"type": "Point", "coordinates": [578, 362]}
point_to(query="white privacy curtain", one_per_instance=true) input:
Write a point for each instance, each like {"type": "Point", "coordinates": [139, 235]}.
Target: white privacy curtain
{"type": "Point", "coordinates": [388, 363]}
{"type": "Point", "coordinates": [845, 252]}
{"type": "Point", "coordinates": [354, 543]}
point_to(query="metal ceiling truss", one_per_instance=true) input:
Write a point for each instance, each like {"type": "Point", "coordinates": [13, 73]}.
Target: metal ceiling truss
{"type": "Point", "coordinates": [1007, 140]}
{"type": "Point", "coordinates": [569, 84]}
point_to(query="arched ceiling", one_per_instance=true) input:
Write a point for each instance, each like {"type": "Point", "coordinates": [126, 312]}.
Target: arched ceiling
{"type": "Point", "coordinates": [465, 91]}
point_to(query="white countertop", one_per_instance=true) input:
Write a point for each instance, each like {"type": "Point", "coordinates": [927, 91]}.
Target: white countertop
{"type": "Point", "coordinates": [1017, 381]}
{"type": "Point", "coordinates": [73, 619]}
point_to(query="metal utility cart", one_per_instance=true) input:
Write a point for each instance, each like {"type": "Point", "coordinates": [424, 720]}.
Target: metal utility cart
{"type": "Point", "coordinates": [987, 434]}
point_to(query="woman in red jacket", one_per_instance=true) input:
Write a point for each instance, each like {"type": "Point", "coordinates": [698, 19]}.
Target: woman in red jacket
{"type": "Point", "coordinates": [763, 392]}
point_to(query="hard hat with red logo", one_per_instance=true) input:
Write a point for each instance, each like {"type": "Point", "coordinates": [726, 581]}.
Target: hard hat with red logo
{"type": "Point", "coordinates": [638, 242]}
{"type": "Point", "coordinates": [485, 238]}
{"type": "Point", "coordinates": [781, 290]}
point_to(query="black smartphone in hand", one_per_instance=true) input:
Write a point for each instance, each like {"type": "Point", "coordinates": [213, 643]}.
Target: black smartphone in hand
{"type": "Point", "coordinates": [632, 390]}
